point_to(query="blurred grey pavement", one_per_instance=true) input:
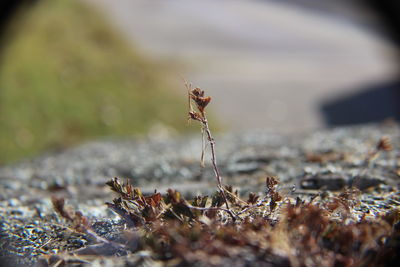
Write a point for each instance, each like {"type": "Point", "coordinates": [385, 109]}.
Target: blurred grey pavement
{"type": "Point", "coordinates": [267, 64]}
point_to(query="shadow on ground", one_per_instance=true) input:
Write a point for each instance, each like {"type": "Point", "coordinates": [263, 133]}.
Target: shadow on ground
{"type": "Point", "coordinates": [371, 104]}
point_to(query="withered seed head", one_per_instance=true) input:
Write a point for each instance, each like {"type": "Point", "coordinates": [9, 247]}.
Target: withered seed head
{"type": "Point", "coordinates": [384, 144]}
{"type": "Point", "coordinates": [198, 92]}
{"type": "Point", "coordinates": [271, 182]}
{"type": "Point", "coordinates": [197, 95]}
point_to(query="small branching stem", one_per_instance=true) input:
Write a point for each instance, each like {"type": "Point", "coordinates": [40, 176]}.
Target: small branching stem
{"type": "Point", "coordinates": [197, 96]}
{"type": "Point", "coordinates": [214, 160]}
{"type": "Point", "coordinates": [213, 155]}
{"type": "Point", "coordinates": [257, 205]}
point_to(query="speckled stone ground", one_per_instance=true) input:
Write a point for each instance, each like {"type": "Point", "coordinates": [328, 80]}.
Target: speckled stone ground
{"type": "Point", "coordinates": [323, 161]}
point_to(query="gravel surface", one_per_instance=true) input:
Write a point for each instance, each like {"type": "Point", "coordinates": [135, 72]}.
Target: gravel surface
{"type": "Point", "coordinates": [322, 161]}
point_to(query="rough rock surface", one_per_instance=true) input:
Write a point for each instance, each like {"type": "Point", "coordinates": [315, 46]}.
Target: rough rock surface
{"type": "Point", "coordinates": [322, 161]}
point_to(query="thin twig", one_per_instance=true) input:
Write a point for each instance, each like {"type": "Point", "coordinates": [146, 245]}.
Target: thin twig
{"type": "Point", "coordinates": [201, 101]}
{"type": "Point", "coordinates": [214, 161]}
{"type": "Point", "coordinates": [259, 204]}
{"type": "Point", "coordinates": [203, 147]}
{"type": "Point", "coordinates": [205, 209]}
{"type": "Point", "coordinates": [234, 196]}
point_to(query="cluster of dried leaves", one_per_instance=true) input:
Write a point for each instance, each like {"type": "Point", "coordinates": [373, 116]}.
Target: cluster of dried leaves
{"type": "Point", "coordinates": [78, 222]}
{"type": "Point", "coordinates": [271, 229]}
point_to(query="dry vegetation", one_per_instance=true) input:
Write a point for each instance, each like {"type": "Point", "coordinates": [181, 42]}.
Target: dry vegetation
{"type": "Point", "coordinates": [269, 229]}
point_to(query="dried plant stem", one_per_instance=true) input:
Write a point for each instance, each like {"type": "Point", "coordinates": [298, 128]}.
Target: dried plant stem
{"type": "Point", "coordinates": [235, 196]}
{"type": "Point", "coordinates": [201, 101]}
{"type": "Point", "coordinates": [208, 208]}
{"type": "Point", "coordinates": [257, 205]}
{"type": "Point", "coordinates": [214, 161]}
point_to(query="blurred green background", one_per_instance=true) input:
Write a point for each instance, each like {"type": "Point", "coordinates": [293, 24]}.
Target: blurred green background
{"type": "Point", "coordinates": [66, 76]}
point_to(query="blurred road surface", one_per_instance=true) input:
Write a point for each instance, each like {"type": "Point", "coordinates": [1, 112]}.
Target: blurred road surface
{"type": "Point", "coordinates": [268, 65]}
